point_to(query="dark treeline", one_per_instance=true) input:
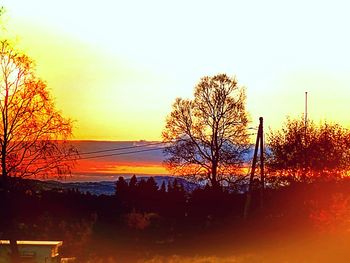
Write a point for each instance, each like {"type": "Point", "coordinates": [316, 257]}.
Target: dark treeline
{"type": "Point", "coordinates": [142, 218]}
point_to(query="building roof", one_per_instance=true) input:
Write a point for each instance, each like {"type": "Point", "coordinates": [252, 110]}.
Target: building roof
{"type": "Point", "coordinates": [33, 242]}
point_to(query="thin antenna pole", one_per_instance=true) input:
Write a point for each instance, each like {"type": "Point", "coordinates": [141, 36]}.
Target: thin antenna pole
{"type": "Point", "coordinates": [305, 110]}
{"type": "Point", "coordinates": [305, 137]}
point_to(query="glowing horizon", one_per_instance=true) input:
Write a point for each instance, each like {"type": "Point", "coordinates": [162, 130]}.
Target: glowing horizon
{"type": "Point", "coordinates": [117, 67]}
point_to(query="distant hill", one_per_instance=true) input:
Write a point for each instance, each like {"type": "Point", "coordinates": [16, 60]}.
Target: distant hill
{"type": "Point", "coordinates": [99, 188]}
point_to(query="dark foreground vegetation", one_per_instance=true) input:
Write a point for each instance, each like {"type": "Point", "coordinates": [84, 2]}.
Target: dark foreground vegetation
{"type": "Point", "coordinates": [300, 222]}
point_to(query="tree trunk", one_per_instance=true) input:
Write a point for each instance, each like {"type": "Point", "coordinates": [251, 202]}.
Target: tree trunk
{"type": "Point", "coordinates": [3, 163]}
{"type": "Point", "coordinates": [9, 221]}
{"type": "Point", "coordinates": [214, 179]}
{"type": "Point", "coordinates": [15, 258]}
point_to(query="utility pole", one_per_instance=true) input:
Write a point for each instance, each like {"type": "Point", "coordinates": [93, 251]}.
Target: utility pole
{"type": "Point", "coordinates": [259, 141]}
{"type": "Point", "coordinates": [262, 175]}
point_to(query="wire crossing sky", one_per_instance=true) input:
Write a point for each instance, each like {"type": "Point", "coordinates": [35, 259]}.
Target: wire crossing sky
{"type": "Point", "coordinates": [116, 67]}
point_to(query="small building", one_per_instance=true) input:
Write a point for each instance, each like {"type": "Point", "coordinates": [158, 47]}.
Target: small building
{"type": "Point", "coordinates": [32, 251]}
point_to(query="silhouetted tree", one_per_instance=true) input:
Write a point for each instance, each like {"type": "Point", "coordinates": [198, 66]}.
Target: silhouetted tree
{"type": "Point", "coordinates": [175, 186]}
{"type": "Point", "coordinates": [207, 136]}
{"type": "Point", "coordinates": [210, 197]}
{"type": "Point", "coordinates": [141, 185]}
{"type": "Point", "coordinates": [32, 132]}
{"type": "Point", "coordinates": [169, 186]}
{"type": "Point", "coordinates": [133, 183]}
{"type": "Point", "coordinates": [150, 195]}
{"type": "Point", "coordinates": [309, 153]}
{"type": "Point", "coordinates": [162, 189]}
{"type": "Point", "coordinates": [133, 192]}
{"type": "Point", "coordinates": [175, 200]}
{"type": "Point", "coordinates": [151, 185]}
{"type": "Point", "coordinates": [121, 188]}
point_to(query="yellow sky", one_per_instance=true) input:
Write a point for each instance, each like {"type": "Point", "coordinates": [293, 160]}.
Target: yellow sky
{"type": "Point", "coordinates": [116, 66]}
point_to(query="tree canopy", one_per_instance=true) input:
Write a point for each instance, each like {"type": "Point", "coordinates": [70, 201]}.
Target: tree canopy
{"type": "Point", "coordinates": [32, 132]}
{"type": "Point", "coordinates": [206, 136]}
{"type": "Point", "coordinates": [309, 152]}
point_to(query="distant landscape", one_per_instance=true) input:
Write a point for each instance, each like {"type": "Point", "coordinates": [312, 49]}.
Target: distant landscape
{"type": "Point", "coordinates": [148, 163]}
{"type": "Point", "coordinates": [106, 187]}
{"type": "Point", "coordinates": [120, 163]}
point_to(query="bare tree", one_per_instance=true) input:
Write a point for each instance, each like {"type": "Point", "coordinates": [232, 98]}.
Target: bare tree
{"type": "Point", "coordinates": [207, 136]}
{"type": "Point", "coordinates": [32, 132]}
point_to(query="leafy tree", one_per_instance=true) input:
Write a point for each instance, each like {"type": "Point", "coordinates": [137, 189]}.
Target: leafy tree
{"type": "Point", "coordinates": [32, 132]}
{"type": "Point", "coordinates": [207, 135]}
{"type": "Point", "coordinates": [309, 153]}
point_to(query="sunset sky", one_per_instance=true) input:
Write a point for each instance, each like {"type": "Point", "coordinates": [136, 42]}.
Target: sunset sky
{"type": "Point", "coordinates": [115, 67]}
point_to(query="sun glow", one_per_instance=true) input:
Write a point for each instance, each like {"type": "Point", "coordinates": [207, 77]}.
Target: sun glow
{"type": "Point", "coordinates": [117, 74]}
{"type": "Point", "coordinates": [112, 167]}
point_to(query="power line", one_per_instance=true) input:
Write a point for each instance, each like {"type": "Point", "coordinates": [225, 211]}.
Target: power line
{"type": "Point", "coordinates": [123, 148]}
{"type": "Point", "coordinates": [109, 150]}
{"type": "Point", "coordinates": [105, 155]}
{"type": "Point", "coordinates": [120, 149]}
{"type": "Point", "coordinates": [122, 153]}
{"type": "Point", "coordinates": [137, 146]}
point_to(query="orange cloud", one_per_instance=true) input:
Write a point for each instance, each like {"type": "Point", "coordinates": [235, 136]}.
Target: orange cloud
{"type": "Point", "coordinates": [108, 167]}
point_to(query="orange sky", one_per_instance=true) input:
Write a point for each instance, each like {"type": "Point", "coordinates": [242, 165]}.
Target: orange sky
{"type": "Point", "coordinates": [113, 167]}
{"type": "Point", "coordinates": [147, 162]}
{"type": "Point", "coordinates": [115, 67]}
